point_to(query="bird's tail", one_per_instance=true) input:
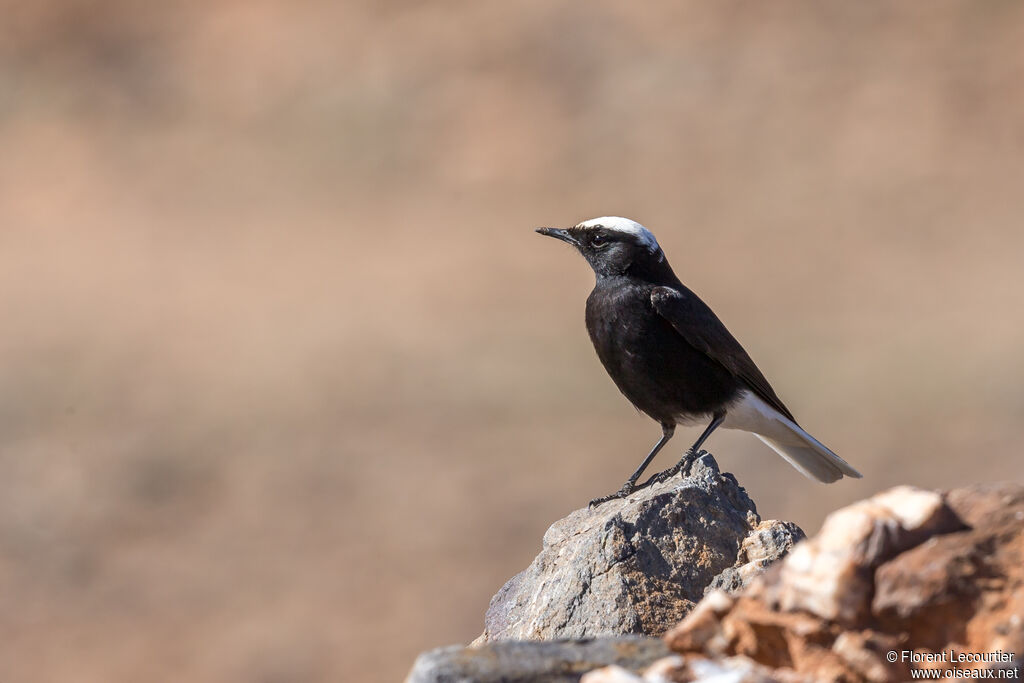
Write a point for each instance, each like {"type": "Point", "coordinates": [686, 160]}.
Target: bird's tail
{"type": "Point", "coordinates": [801, 450]}
{"type": "Point", "coordinates": [812, 458]}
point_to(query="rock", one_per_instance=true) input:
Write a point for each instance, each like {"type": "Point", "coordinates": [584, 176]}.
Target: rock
{"type": "Point", "coordinates": [830, 576]}
{"type": "Point", "coordinates": [909, 579]}
{"type": "Point", "coordinates": [907, 571]}
{"type": "Point", "coordinates": [611, 674]}
{"type": "Point", "coordinates": [962, 588]}
{"type": "Point", "coordinates": [534, 662]}
{"type": "Point", "coordinates": [767, 542]}
{"type": "Point", "coordinates": [640, 564]}
{"type": "Point", "coordinates": [726, 670]}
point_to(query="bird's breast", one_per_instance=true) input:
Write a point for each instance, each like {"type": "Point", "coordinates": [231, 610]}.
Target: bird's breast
{"type": "Point", "coordinates": [619, 320]}
{"type": "Point", "coordinates": [650, 363]}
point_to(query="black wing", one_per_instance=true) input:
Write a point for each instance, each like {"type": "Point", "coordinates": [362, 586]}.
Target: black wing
{"type": "Point", "coordinates": [702, 330]}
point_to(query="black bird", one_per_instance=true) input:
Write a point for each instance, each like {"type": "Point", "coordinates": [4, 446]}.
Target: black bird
{"type": "Point", "coordinates": [671, 356]}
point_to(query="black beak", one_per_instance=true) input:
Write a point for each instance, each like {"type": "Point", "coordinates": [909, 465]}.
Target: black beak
{"type": "Point", "coordinates": [559, 234]}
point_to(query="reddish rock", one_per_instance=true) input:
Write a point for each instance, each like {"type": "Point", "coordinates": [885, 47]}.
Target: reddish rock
{"type": "Point", "coordinates": [961, 589]}
{"type": "Point", "coordinates": [911, 572]}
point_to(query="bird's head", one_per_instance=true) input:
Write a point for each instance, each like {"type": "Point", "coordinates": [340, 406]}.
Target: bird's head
{"type": "Point", "coordinates": [613, 245]}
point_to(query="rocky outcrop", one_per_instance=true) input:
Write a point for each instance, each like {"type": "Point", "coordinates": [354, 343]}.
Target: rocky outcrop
{"type": "Point", "coordinates": [907, 582]}
{"type": "Point", "coordinates": [640, 564]}
{"type": "Point", "coordinates": [909, 579]}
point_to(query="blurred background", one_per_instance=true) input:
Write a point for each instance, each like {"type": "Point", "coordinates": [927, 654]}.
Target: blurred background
{"type": "Point", "coordinates": [288, 385]}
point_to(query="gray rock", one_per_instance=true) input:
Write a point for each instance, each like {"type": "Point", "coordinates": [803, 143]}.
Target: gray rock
{"type": "Point", "coordinates": [767, 542]}
{"type": "Point", "coordinates": [532, 662]}
{"type": "Point", "coordinates": [639, 565]}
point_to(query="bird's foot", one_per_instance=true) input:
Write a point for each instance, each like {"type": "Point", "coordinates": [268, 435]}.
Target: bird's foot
{"type": "Point", "coordinates": [627, 488]}
{"type": "Point", "coordinates": [685, 465]}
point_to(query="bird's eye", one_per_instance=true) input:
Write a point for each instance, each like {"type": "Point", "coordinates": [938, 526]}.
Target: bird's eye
{"type": "Point", "coordinates": [599, 240]}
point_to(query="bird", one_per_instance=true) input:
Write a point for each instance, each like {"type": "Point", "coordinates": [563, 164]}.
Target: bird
{"type": "Point", "coordinates": [674, 360]}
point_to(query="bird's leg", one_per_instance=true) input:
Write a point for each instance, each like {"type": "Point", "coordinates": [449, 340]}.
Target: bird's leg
{"type": "Point", "coordinates": [667, 430]}
{"type": "Point", "coordinates": [686, 462]}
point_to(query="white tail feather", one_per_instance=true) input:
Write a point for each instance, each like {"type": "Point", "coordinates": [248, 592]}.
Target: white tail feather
{"type": "Point", "coordinates": [801, 450]}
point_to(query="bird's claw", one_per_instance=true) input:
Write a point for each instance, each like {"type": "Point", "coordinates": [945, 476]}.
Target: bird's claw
{"type": "Point", "coordinates": [685, 465]}
{"type": "Point", "coordinates": [627, 488]}
{"type": "Point", "coordinates": [664, 475]}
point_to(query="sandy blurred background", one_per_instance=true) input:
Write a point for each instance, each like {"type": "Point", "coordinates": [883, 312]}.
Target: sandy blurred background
{"type": "Point", "coordinates": [289, 386]}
